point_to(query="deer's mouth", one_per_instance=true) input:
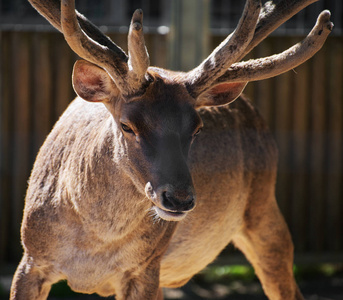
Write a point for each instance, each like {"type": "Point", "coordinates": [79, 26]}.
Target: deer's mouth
{"type": "Point", "coordinates": [168, 215]}
{"type": "Point", "coordinates": [162, 206]}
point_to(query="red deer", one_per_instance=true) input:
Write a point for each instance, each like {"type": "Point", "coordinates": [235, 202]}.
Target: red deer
{"type": "Point", "coordinates": [127, 196]}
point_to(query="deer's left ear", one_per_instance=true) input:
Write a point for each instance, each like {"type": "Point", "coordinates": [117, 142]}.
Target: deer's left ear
{"type": "Point", "coordinates": [92, 83]}
{"type": "Point", "coordinates": [220, 94]}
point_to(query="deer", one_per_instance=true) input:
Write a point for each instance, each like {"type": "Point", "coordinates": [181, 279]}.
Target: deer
{"type": "Point", "coordinates": [150, 173]}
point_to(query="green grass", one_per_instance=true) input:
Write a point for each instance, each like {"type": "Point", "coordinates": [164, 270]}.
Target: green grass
{"type": "Point", "coordinates": [227, 272]}
{"type": "Point", "coordinates": [305, 272]}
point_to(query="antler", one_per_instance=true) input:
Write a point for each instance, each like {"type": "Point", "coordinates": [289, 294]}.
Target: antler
{"type": "Point", "coordinates": [228, 52]}
{"type": "Point", "coordinates": [51, 10]}
{"type": "Point", "coordinates": [138, 54]}
{"type": "Point", "coordinates": [86, 40]}
{"type": "Point", "coordinates": [272, 16]}
{"type": "Point", "coordinates": [263, 68]}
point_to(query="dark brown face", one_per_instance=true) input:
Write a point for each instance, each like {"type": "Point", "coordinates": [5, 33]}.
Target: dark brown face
{"type": "Point", "coordinates": [157, 131]}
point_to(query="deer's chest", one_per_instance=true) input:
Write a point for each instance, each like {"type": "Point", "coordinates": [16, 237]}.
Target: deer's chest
{"type": "Point", "coordinates": [92, 266]}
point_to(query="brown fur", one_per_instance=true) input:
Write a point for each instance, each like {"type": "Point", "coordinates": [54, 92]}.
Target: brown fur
{"type": "Point", "coordinates": [126, 197]}
{"type": "Point", "coordinates": [87, 219]}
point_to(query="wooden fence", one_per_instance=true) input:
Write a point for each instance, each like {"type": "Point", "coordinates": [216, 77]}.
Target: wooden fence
{"type": "Point", "coordinates": [303, 108]}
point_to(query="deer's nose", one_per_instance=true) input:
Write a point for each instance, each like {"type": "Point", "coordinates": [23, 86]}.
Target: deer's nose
{"type": "Point", "coordinates": [173, 202]}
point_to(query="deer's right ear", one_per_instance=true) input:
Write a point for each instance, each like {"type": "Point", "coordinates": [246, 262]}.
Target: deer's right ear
{"type": "Point", "coordinates": [92, 83]}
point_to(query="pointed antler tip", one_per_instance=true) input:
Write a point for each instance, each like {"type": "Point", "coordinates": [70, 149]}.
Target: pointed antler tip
{"type": "Point", "coordinates": [139, 11]}
{"type": "Point", "coordinates": [137, 19]}
{"type": "Point", "coordinates": [324, 17]}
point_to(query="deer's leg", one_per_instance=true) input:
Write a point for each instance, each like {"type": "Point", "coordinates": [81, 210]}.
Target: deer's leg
{"type": "Point", "coordinates": [160, 294]}
{"type": "Point", "coordinates": [266, 243]}
{"type": "Point", "coordinates": [142, 285]}
{"type": "Point", "coordinates": [29, 282]}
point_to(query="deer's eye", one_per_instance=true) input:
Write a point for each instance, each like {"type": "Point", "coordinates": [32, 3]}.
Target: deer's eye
{"type": "Point", "coordinates": [126, 128]}
{"type": "Point", "coordinates": [197, 132]}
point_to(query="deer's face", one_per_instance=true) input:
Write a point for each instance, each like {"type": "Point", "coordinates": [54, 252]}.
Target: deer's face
{"type": "Point", "coordinates": [154, 134]}
{"type": "Point", "coordinates": [157, 131]}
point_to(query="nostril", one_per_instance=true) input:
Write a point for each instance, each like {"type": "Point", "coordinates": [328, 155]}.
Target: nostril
{"type": "Point", "coordinates": [172, 203]}
{"type": "Point", "coordinates": [190, 203]}
{"type": "Point", "coordinates": [168, 201]}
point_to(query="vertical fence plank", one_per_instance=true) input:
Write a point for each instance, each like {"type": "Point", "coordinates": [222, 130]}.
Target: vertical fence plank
{"type": "Point", "coordinates": [42, 96]}
{"type": "Point", "coordinates": [263, 95]}
{"type": "Point", "coordinates": [282, 123]}
{"type": "Point", "coordinates": [334, 146]}
{"type": "Point", "coordinates": [316, 152]}
{"type": "Point", "coordinates": [63, 65]}
{"type": "Point", "coordinates": [189, 37]}
{"type": "Point", "coordinates": [20, 84]}
{"type": "Point", "coordinates": [5, 145]}
{"type": "Point", "coordinates": [299, 150]}
{"type": "Point", "coordinates": [158, 51]}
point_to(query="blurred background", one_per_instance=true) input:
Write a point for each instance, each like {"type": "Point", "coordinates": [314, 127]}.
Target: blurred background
{"type": "Point", "coordinates": [304, 109]}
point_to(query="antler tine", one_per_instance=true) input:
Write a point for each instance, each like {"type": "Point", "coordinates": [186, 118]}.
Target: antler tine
{"type": "Point", "coordinates": [273, 15]}
{"type": "Point", "coordinates": [51, 10]}
{"type": "Point", "coordinates": [263, 68]}
{"type": "Point", "coordinates": [86, 40]}
{"type": "Point", "coordinates": [90, 50]}
{"type": "Point", "coordinates": [138, 54]}
{"type": "Point", "coordinates": [228, 52]}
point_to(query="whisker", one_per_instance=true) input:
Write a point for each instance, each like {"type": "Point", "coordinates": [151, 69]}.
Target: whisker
{"type": "Point", "coordinates": [154, 215]}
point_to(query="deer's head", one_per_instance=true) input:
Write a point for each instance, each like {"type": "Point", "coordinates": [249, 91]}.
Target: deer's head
{"type": "Point", "coordinates": [155, 110]}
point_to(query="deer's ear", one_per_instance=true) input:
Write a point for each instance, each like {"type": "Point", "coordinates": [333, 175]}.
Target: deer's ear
{"type": "Point", "coordinates": [92, 83]}
{"type": "Point", "coordinates": [221, 94]}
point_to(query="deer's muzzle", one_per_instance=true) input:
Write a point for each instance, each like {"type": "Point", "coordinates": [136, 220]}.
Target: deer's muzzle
{"type": "Point", "coordinates": [171, 204]}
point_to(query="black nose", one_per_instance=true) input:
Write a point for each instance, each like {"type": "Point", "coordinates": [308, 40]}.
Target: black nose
{"type": "Point", "coordinates": [173, 203]}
